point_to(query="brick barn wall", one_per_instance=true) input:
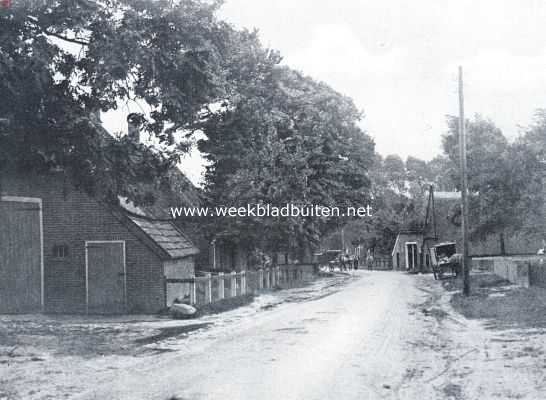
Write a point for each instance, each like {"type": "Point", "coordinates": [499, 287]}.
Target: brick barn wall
{"type": "Point", "coordinates": [70, 218]}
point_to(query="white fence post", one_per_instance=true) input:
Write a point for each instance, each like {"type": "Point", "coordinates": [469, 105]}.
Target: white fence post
{"type": "Point", "coordinates": [221, 285]}
{"type": "Point", "coordinates": [273, 277]}
{"type": "Point", "coordinates": [243, 283]}
{"type": "Point", "coordinates": [208, 289]}
{"type": "Point", "coordinates": [193, 293]}
{"type": "Point", "coordinates": [268, 278]}
{"type": "Point", "coordinates": [233, 284]}
{"type": "Point", "coordinates": [260, 279]}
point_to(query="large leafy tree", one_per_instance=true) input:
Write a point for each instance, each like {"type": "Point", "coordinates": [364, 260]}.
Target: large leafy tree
{"type": "Point", "coordinates": [503, 177]}
{"type": "Point", "coordinates": [398, 192]}
{"type": "Point", "coordinates": [442, 172]}
{"type": "Point", "coordinates": [60, 61]}
{"type": "Point", "coordinates": [396, 207]}
{"type": "Point", "coordinates": [395, 171]}
{"type": "Point", "coordinates": [528, 155]}
{"type": "Point", "coordinates": [286, 139]}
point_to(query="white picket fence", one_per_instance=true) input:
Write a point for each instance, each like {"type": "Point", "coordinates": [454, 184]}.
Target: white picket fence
{"type": "Point", "coordinates": [211, 288]}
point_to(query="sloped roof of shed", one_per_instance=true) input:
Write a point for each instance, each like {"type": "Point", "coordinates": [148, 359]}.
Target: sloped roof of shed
{"type": "Point", "coordinates": [166, 236]}
{"type": "Point", "coordinates": [447, 195]}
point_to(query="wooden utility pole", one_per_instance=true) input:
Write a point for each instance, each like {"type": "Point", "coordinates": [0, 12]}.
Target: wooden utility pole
{"type": "Point", "coordinates": [464, 188]}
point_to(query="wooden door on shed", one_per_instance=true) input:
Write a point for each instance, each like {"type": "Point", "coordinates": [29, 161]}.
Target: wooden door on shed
{"type": "Point", "coordinates": [20, 255]}
{"type": "Point", "coordinates": [105, 266]}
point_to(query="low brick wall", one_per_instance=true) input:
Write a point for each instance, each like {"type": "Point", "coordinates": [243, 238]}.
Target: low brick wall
{"type": "Point", "coordinates": [520, 270]}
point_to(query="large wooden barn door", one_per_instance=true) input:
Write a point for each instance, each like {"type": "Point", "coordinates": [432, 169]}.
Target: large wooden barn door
{"type": "Point", "coordinates": [105, 265]}
{"type": "Point", "coordinates": [21, 271]}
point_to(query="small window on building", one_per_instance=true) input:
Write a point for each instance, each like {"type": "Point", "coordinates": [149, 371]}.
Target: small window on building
{"type": "Point", "coordinates": [60, 251]}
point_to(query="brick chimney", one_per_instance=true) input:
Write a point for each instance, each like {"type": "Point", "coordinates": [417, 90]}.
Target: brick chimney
{"type": "Point", "coordinates": [94, 115]}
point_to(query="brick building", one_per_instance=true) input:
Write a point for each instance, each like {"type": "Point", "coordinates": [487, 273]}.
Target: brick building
{"type": "Point", "coordinates": [64, 251]}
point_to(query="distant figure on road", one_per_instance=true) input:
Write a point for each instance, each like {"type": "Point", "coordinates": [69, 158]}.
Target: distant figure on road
{"type": "Point", "coordinates": [355, 262]}
{"type": "Point", "coordinates": [342, 262]}
{"type": "Point", "coordinates": [369, 260]}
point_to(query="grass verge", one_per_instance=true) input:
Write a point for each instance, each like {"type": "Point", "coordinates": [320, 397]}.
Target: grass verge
{"type": "Point", "coordinates": [503, 305]}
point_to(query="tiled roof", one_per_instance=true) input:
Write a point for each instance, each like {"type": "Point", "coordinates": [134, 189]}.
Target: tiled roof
{"type": "Point", "coordinates": [166, 236]}
{"type": "Point", "coordinates": [153, 219]}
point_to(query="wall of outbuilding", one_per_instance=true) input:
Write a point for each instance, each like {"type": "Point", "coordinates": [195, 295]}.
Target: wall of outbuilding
{"type": "Point", "coordinates": [399, 262]}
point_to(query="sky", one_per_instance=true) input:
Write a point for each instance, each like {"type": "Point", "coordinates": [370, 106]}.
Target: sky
{"type": "Point", "coordinates": [398, 60]}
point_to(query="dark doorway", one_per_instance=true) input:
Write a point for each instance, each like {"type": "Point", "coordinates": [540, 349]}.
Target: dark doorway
{"type": "Point", "coordinates": [411, 255]}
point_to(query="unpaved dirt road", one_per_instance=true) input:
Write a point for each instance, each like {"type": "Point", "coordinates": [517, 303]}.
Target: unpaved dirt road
{"type": "Point", "coordinates": [376, 335]}
{"type": "Point", "coordinates": [386, 335]}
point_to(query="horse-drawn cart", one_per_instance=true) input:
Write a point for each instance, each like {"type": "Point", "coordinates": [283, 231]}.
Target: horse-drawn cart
{"type": "Point", "coordinates": [444, 259]}
{"type": "Point", "coordinates": [329, 259]}
{"type": "Point", "coordinates": [332, 259]}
